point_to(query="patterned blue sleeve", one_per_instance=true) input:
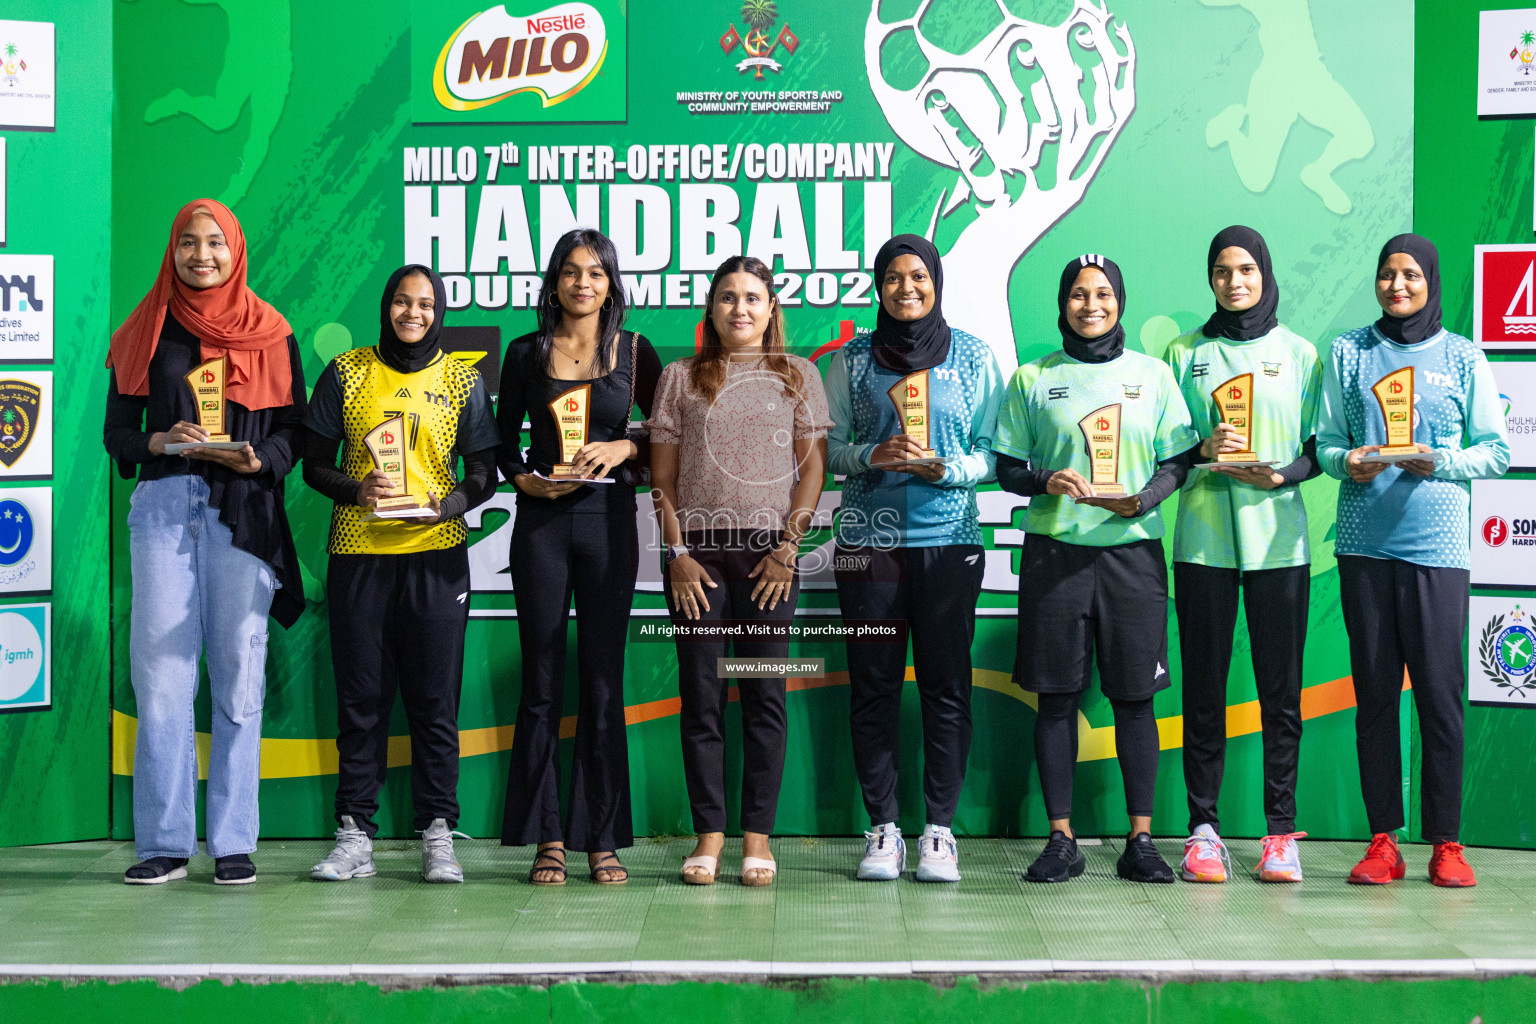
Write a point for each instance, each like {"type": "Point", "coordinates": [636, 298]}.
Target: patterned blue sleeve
{"type": "Point", "coordinates": [980, 464]}
{"type": "Point", "coordinates": [1333, 440]}
{"type": "Point", "coordinates": [843, 458]}
{"type": "Point", "coordinates": [1487, 453]}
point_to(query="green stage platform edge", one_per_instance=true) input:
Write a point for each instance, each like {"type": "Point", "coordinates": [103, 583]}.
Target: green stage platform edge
{"type": "Point", "coordinates": [64, 912]}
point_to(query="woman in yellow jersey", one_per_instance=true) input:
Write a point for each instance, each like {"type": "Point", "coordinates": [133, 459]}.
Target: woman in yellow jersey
{"type": "Point", "coordinates": [398, 588]}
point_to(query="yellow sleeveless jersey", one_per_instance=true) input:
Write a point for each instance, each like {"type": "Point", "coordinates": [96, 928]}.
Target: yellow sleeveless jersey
{"type": "Point", "coordinates": [432, 401]}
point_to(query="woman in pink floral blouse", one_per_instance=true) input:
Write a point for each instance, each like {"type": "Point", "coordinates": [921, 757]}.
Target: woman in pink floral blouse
{"type": "Point", "coordinates": [738, 457]}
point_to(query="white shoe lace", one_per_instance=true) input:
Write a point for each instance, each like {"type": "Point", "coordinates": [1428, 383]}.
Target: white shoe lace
{"type": "Point", "coordinates": [1207, 847]}
{"type": "Point", "coordinates": [875, 843]}
{"type": "Point", "coordinates": [349, 841]}
{"type": "Point", "coordinates": [942, 842]}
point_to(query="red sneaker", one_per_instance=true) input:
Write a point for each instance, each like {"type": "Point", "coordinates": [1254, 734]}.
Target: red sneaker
{"type": "Point", "coordinates": [1382, 862]}
{"type": "Point", "coordinates": [1448, 867]}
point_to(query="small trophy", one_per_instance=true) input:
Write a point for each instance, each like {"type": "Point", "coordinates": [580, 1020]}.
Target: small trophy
{"type": "Point", "coordinates": [1235, 402]}
{"type": "Point", "coordinates": [207, 383]}
{"type": "Point", "coordinates": [910, 397]}
{"type": "Point", "coordinates": [1394, 393]}
{"type": "Point", "coordinates": [1101, 429]}
{"type": "Point", "coordinates": [573, 419]}
{"type": "Point", "coordinates": [386, 444]}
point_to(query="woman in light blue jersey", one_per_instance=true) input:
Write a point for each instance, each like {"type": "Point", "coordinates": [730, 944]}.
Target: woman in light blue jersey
{"type": "Point", "coordinates": [1403, 532]}
{"type": "Point", "coordinates": [908, 540]}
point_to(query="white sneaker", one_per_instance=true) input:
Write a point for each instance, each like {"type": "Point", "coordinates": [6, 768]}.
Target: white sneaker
{"type": "Point", "coordinates": [939, 861]}
{"type": "Point", "coordinates": [885, 854]}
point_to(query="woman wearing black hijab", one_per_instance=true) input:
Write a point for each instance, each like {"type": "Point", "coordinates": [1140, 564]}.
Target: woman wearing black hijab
{"type": "Point", "coordinates": [1403, 544]}
{"type": "Point", "coordinates": [397, 588]}
{"type": "Point", "coordinates": [1096, 436]}
{"type": "Point", "coordinates": [1244, 529]}
{"type": "Point", "coordinates": [908, 540]}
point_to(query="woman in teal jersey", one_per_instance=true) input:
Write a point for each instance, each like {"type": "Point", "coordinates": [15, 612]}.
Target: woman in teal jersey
{"type": "Point", "coordinates": [1244, 528]}
{"type": "Point", "coordinates": [1096, 437]}
{"type": "Point", "coordinates": [908, 540]}
{"type": "Point", "coordinates": [1403, 539]}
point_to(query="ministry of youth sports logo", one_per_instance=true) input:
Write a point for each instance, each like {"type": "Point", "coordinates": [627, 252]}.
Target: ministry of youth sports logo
{"type": "Point", "coordinates": [1506, 652]}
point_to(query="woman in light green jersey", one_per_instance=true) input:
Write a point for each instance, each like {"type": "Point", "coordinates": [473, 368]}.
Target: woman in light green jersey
{"type": "Point", "coordinates": [1253, 389]}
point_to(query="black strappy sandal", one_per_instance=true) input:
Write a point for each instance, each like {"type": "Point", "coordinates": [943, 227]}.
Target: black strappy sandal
{"type": "Point", "coordinates": [612, 869]}
{"type": "Point", "coordinates": [556, 864]}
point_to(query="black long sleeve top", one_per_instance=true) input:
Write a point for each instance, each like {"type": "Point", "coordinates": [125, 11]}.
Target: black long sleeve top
{"type": "Point", "coordinates": [527, 391]}
{"type": "Point", "coordinates": [250, 504]}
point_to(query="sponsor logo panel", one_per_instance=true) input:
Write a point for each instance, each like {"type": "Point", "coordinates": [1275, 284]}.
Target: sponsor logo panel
{"type": "Point", "coordinates": [1504, 533]}
{"type": "Point", "coordinates": [1517, 397]}
{"type": "Point", "coordinates": [516, 63]}
{"type": "Point", "coordinates": [27, 64]}
{"type": "Point", "coordinates": [26, 309]}
{"type": "Point", "coordinates": [1501, 651]}
{"type": "Point", "coordinates": [25, 657]}
{"type": "Point", "coordinates": [26, 425]}
{"type": "Point", "coordinates": [1504, 297]}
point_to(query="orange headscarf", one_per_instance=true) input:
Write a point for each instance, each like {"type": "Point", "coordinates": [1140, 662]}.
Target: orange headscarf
{"type": "Point", "coordinates": [228, 319]}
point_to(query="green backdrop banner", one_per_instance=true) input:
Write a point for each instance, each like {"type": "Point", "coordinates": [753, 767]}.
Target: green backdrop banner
{"type": "Point", "coordinates": [1017, 135]}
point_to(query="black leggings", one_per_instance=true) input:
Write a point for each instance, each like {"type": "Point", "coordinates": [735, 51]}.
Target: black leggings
{"type": "Point", "coordinates": [1136, 745]}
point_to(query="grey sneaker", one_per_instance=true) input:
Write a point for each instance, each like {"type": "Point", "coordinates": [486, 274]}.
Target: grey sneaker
{"type": "Point", "coordinates": [437, 861]}
{"type": "Point", "coordinates": [352, 856]}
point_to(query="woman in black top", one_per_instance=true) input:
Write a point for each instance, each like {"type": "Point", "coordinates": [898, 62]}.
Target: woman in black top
{"type": "Point", "coordinates": [209, 543]}
{"type": "Point", "coordinates": [574, 538]}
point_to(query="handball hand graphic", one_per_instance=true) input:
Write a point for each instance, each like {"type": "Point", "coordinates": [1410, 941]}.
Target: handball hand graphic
{"type": "Point", "coordinates": [1009, 116]}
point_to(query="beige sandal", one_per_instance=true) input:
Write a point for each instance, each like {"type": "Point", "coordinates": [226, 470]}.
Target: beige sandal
{"type": "Point", "coordinates": [758, 864]}
{"type": "Point", "coordinates": [710, 864]}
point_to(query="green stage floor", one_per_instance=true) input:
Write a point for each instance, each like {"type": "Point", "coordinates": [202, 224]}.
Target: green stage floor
{"type": "Point", "coordinates": [64, 910]}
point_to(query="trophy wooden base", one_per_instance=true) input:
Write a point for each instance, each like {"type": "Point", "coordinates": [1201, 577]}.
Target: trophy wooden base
{"type": "Point", "coordinates": [218, 442]}
{"type": "Point", "coordinates": [1402, 453]}
{"type": "Point", "coordinates": [1224, 463]}
{"type": "Point", "coordinates": [568, 479]}
{"type": "Point", "coordinates": [403, 507]}
{"type": "Point", "coordinates": [1108, 491]}
{"type": "Point", "coordinates": [928, 458]}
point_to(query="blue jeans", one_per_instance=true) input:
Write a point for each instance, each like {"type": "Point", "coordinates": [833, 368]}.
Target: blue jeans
{"type": "Point", "coordinates": [194, 591]}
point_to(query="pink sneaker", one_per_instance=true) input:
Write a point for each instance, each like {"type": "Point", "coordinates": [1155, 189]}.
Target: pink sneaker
{"type": "Point", "coordinates": [1205, 857]}
{"type": "Point", "coordinates": [1280, 860]}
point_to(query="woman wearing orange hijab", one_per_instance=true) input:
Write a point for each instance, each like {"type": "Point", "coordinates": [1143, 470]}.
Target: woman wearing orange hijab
{"type": "Point", "coordinates": [208, 540]}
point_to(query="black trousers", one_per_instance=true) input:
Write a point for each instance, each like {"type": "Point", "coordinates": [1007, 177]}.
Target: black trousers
{"type": "Point", "coordinates": [1401, 615]}
{"type": "Point", "coordinates": [728, 556]}
{"type": "Point", "coordinates": [397, 624]}
{"type": "Point", "coordinates": [553, 558]}
{"type": "Point", "coordinates": [933, 591]}
{"type": "Point", "coordinates": [1275, 600]}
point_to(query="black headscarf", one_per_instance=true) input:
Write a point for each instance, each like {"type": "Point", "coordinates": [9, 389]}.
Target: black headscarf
{"type": "Point", "coordinates": [903, 346]}
{"type": "Point", "coordinates": [1091, 350]}
{"type": "Point", "coordinates": [1410, 330]}
{"type": "Point", "coordinates": [1258, 319]}
{"type": "Point", "coordinates": [398, 355]}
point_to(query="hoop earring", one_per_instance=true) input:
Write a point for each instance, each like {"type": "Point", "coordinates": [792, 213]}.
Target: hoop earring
{"type": "Point", "coordinates": [554, 300]}
{"type": "Point", "coordinates": [608, 304]}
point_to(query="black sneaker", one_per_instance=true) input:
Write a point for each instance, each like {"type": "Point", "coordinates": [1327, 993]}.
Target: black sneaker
{"type": "Point", "coordinates": [156, 870]}
{"type": "Point", "coordinates": [236, 869]}
{"type": "Point", "coordinates": [1141, 862]}
{"type": "Point", "coordinates": [1061, 860]}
